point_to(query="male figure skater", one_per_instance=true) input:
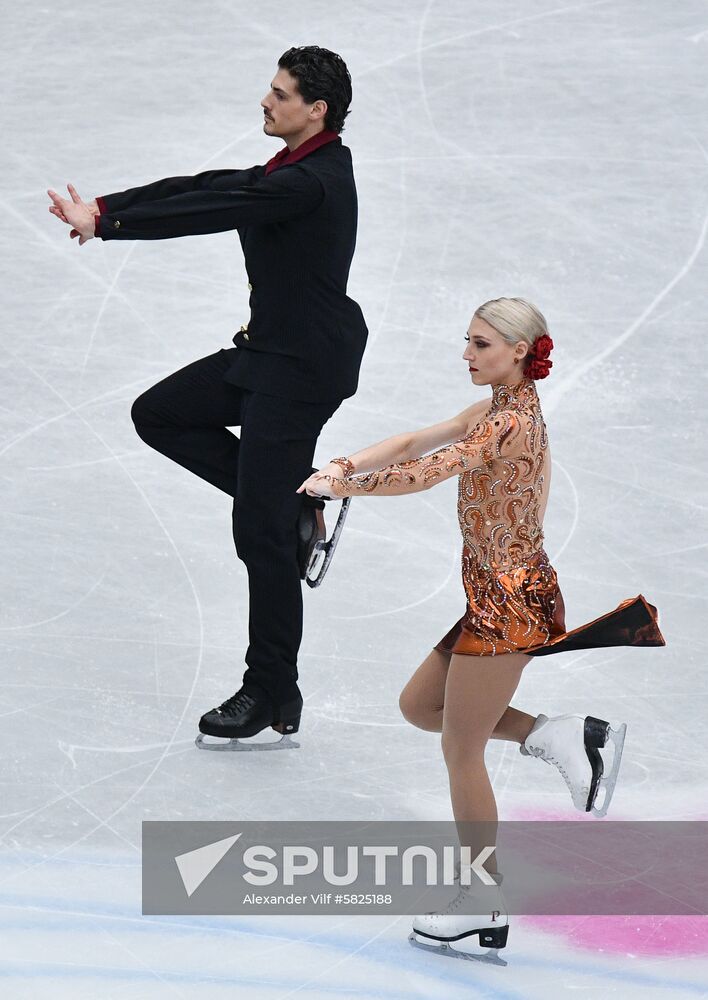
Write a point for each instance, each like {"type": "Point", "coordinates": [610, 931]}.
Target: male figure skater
{"type": "Point", "coordinates": [294, 362]}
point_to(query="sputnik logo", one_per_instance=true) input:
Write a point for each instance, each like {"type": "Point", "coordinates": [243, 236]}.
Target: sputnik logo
{"type": "Point", "coordinates": [195, 866]}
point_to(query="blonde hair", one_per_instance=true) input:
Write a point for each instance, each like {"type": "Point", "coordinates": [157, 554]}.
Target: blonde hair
{"type": "Point", "coordinates": [514, 319]}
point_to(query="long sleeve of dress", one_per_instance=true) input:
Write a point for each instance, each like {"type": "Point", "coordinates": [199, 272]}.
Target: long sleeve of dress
{"type": "Point", "coordinates": [285, 194]}
{"type": "Point", "coordinates": [500, 435]}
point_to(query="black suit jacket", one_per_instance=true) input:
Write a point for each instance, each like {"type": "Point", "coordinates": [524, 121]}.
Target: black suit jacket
{"type": "Point", "coordinates": [297, 226]}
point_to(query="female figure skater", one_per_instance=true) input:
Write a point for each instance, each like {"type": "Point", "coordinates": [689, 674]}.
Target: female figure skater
{"type": "Point", "coordinates": [499, 450]}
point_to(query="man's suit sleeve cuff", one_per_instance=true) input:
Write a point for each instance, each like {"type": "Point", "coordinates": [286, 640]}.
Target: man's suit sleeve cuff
{"type": "Point", "coordinates": [97, 218]}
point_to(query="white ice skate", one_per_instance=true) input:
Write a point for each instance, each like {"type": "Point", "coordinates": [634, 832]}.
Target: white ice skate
{"type": "Point", "coordinates": [573, 744]}
{"type": "Point", "coordinates": [476, 911]}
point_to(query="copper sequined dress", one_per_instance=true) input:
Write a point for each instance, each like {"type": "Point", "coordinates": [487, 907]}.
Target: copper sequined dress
{"type": "Point", "coordinates": [514, 603]}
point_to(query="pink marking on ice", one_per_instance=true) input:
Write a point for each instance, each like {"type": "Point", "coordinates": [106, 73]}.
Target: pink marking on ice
{"type": "Point", "coordinates": [569, 815]}
{"type": "Point", "coordinates": [617, 934]}
{"type": "Point", "coordinates": [656, 936]}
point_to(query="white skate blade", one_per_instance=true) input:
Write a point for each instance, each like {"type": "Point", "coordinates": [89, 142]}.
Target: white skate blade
{"type": "Point", "coordinates": [609, 780]}
{"type": "Point", "coordinates": [216, 743]}
{"type": "Point", "coordinates": [454, 949]}
{"type": "Point", "coordinates": [324, 551]}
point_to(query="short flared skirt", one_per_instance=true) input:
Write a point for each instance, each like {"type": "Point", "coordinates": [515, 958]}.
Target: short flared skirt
{"type": "Point", "coordinates": [521, 610]}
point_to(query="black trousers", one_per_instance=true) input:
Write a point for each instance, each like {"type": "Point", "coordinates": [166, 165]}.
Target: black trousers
{"type": "Point", "coordinates": [185, 417]}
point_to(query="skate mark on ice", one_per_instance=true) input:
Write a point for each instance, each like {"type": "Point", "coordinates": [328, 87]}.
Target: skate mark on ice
{"type": "Point", "coordinates": [454, 563]}
{"type": "Point", "coordinates": [26, 815]}
{"type": "Point", "coordinates": [135, 453]}
{"type": "Point", "coordinates": [581, 368]}
{"type": "Point", "coordinates": [403, 233]}
{"type": "Point", "coordinates": [499, 26]}
{"type": "Point", "coordinates": [70, 748]}
{"type": "Point", "coordinates": [576, 511]}
{"type": "Point", "coordinates": [60, 614]}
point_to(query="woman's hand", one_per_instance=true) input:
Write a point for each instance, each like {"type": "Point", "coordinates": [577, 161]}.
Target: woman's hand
{"type": "Point", "coordinates": [76, 213]}
{"type": "Point", "coordinates": [319, 484]}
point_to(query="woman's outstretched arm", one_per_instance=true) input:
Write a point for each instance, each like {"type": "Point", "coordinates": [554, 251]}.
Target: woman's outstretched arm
{"type": "Point", "coordinates": [399, 448]}
{"type": "Point", "coordinates": [500, 435]}
{"type": "Point", "coordinates": [410, 444]}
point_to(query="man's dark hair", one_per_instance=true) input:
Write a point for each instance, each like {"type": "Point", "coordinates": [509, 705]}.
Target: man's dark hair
{"type": "Point", "coordinates": [321, 76]}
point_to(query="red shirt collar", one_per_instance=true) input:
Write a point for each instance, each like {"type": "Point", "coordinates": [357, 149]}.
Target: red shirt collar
{"type": "Point", "coordinates": [284, 157]}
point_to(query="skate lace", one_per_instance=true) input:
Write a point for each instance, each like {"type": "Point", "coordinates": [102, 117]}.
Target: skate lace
{"type": "Point", "coordinates": [454, 904]}
{"type": "Point", "coordinates": [464, 894]}
{"type": "Point", "coordinates": [236, 703]}
{"type": "Point", "coordinates": [549, 759]}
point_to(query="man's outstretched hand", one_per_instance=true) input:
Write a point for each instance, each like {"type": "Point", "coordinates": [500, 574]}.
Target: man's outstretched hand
{"type": "Point", "coordinates": [75, 212]}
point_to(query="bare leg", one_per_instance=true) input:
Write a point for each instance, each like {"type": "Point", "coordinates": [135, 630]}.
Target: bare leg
{"type": "Point", "coordinates": [423, 698]}
{"type": "Point", "coordinates": [477, 693]}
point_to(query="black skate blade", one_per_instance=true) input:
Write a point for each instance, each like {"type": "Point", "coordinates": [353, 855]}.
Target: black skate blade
{"type": "Point", "coordinates": [324, 551]}
{"type": "Point", "coordinates": [443, 948]}
{"type": "Point", "coordinates": [205, 742]}
{"type": "Point", "coordinates": [597, 767]}
{"type": "Point", "coordinates": [595, 736]}
{"type": "Point", "coordinates": [596, 731]}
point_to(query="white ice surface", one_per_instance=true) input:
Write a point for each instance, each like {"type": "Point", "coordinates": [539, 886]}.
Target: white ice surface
{"type": "Point", "coordinates": [519, 147]}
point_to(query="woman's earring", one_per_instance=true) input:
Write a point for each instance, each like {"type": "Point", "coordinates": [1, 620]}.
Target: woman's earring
{"type": "Point", "coordinates": [516, 361]}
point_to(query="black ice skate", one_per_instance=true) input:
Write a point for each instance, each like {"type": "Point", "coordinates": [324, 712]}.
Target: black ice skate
{"type": "Point", "coordinates": [315, 551]}
{"type": "Point", "coordinates": [246, 714]}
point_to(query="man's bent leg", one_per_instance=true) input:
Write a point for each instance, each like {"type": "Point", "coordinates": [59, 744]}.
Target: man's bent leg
{"type": "Point", "coordinates": [278, 438]}
{"type": "Point", "coordinates": [185, 417]}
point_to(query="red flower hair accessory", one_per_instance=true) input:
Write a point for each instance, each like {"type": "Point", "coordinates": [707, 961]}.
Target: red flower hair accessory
{"type": "Point", "coordinates": [538, 365]}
